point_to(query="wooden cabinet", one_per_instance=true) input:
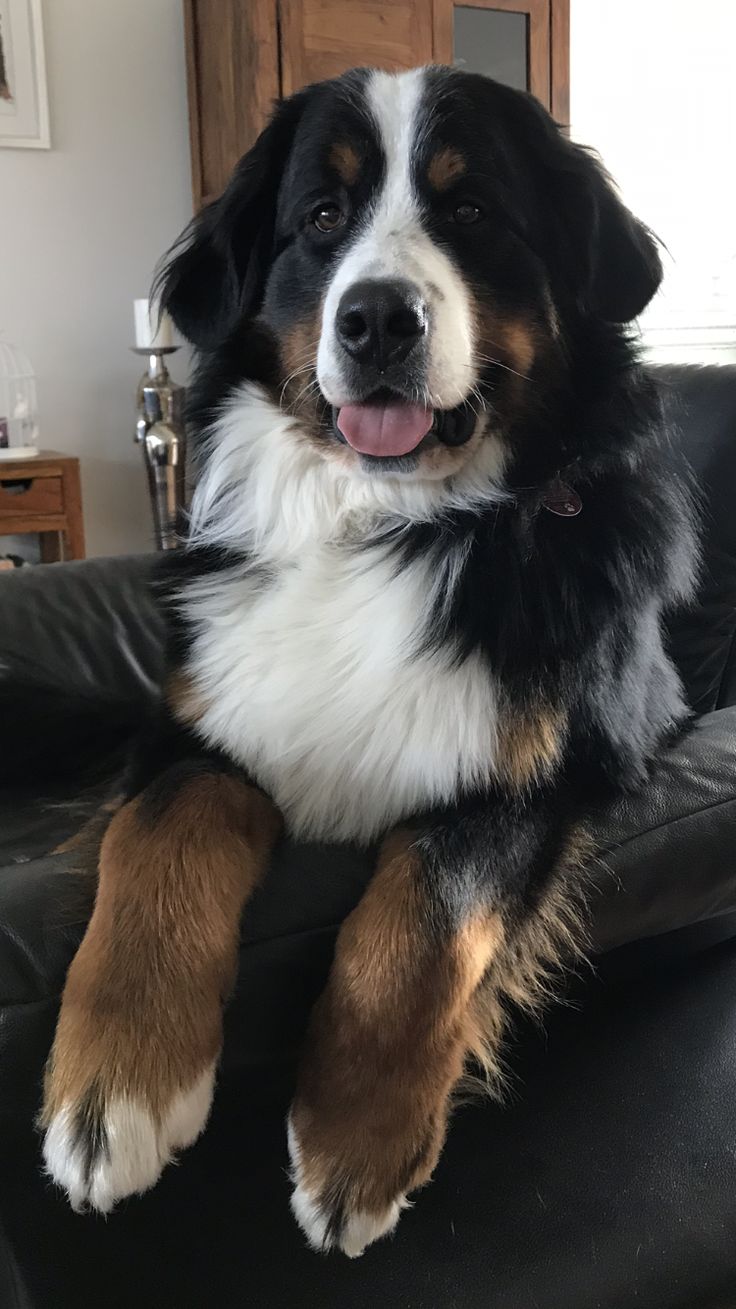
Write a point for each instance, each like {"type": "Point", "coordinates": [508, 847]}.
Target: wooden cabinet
{"type": "Point", "coordinates": [233, 79]}
{"type": "Point", "coordinates": [43, 495]}
{"type": "Point", "coordinates": [321, 38]}
{"type": "Point", "coordinates": [243, 54]}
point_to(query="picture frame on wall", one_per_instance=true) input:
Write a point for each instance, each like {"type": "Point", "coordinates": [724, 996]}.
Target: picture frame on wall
{"type": "Point", "coordinates": [24, 107]}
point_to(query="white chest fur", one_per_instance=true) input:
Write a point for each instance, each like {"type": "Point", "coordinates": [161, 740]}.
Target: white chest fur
{"type": "Point", "coordinates": [315, 683]}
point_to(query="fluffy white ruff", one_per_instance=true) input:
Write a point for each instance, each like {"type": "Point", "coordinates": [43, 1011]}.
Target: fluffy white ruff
{"type": "Point", "coordinates": [359, 1230]}
{"type": "Point", "coordinates": [267, 489]}
{"type": "Point", "coordinates": [136, 1151]}
{"type": "Point", "coordinates": [308, 658]}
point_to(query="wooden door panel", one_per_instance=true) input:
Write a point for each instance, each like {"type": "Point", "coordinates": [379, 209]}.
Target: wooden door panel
{"type": "Point", "coordinates": [539, 25]}
{"type": "Point", "coordinates": [560, 60]}
{"type": "Point", "coordinates": [233, 80]}
{"type": "Point", "coordinates": [322, 38]}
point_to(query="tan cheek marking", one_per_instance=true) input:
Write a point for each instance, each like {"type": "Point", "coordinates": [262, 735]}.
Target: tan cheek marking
{"type": "Point", "coordinates": [346, 162]}
{"type": "Point", "coordinates": [514, 341]}
{"type": "Point", "coordinates": [520, 342]}
{"type": "Point", "coordinates": [298, 347]}
{"type": "Point", "coordinates": [510, 342]}
{"type": "Point", "coordinates": [296, 394]}
{"type": "Point", "coordinates": [530, 744]}
{"type": "Point", "coordinates": [444, 167]}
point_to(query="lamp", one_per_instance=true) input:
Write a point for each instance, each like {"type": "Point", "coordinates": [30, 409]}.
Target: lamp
{"type": "Point", "coordinates": [159, 426]}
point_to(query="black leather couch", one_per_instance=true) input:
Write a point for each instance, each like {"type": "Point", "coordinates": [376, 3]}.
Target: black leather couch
{"type": "Point", "coordinates": [607, 1182]}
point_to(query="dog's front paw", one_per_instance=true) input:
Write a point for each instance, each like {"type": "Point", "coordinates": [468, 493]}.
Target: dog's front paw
{"type": "Point", "coordinates": [344, 1204]}
{"type": "Point", "coordinates": [103, 1146]}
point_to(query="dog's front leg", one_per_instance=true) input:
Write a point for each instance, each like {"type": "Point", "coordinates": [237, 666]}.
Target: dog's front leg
{"type": "Point", "coordinates": [457, 915]}
{"type": "Point", "coordinates": [130, 1077]}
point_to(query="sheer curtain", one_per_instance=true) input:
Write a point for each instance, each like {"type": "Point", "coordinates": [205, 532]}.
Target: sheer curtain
{"type": "Point", "coordinates": [653, 86]}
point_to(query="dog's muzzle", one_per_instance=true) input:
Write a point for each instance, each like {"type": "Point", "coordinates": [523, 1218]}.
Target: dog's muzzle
{"type": "Point", "coordinates": [381, 327]}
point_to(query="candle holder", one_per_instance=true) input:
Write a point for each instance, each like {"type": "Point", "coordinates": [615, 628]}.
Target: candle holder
{"type": "Point", "coordinates": [160, 431]}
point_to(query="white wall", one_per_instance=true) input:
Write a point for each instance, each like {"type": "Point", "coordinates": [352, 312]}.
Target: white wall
{"type": "Point", "coordinates": [81, 227]}
{"type": "Point", "coordinates": [653, 89]}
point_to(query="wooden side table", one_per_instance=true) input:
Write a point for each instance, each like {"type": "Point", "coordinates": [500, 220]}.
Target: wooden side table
{"type": "Point", "coordinates": [43, 495]}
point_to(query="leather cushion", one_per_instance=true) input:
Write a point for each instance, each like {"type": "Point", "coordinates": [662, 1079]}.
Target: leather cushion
{"type": "Point", "coordinates": [666, 862]}
{"type": "Point", "coordinates": [608, 1180]}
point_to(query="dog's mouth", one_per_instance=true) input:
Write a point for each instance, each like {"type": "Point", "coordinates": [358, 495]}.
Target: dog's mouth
{"type": "Point", "coordinates": [386, 427]}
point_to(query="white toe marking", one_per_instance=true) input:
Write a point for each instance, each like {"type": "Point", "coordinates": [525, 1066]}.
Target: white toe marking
{"type": "Point", "coordinates": [189, 1111]}
{"type": "Point", "coordinates": [306, 1211]}
{"type": "Point", "coordinates": [137, 1149]}
{"type": "Point", "coordinates": [310, 1218]}
{"type": "Point", "coordinates": [63, 1163]}
{"type": "Point", "coordinates": [360, 1229]}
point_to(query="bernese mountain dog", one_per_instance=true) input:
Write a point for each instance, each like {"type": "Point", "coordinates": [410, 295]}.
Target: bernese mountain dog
{"type": "Point", "coordinates": [419, 607]}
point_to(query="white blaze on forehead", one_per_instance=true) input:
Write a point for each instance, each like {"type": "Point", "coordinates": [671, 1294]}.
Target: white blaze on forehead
{"type": "Point", "coordinates": [395, 104]}
{"type": "Point", "coordinates": [391, 242]}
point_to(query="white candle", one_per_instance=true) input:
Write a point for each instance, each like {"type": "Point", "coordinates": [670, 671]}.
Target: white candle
{"type": "Point", "coordinates": [150, 334]}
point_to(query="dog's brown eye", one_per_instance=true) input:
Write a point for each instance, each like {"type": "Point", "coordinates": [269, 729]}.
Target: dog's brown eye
{"type": "Point", "coordinates": [326, 218]}
{"type": "Point", "coordinates": [466, 213]}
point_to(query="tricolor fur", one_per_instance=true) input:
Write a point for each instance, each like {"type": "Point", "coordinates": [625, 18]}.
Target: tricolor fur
{"type": "Point", "coordinates": [362, 625]}
{"type": "Point", "coordinates": [410, 306]}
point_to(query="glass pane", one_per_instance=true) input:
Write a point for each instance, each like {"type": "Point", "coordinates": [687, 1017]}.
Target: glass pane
{"type": "Point", "coordinates": [493, 42]}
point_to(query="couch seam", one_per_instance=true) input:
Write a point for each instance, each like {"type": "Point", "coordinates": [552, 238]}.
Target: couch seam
{"type": "Point", "coordinates": [330, 927]}
{"type": "Point", "coordinates": [729, 660]}
{"type": "Point", "coordinates": [668, 822]}
{"type": "Point", "coordinates": [266, 940]}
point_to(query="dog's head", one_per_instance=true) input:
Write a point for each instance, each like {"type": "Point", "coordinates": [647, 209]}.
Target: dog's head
{"type": "Point", "coordinates": [419, 249]}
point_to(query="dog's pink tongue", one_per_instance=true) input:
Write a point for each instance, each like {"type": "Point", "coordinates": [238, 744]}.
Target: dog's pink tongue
{"type": "Point", "coordinates": [384, 429]}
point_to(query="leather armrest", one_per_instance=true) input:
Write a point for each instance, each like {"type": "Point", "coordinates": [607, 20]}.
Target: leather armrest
{"type": "Point", "coordinates": [666, 858]}
{"type": "Point", "coordinates": [90, 627]}
{"type": "Point", "coordinates": [666, 861]}
{"type": "Point", "coordinates": [667, 855]}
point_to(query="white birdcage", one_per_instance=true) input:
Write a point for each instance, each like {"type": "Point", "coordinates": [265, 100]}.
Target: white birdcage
{"type": "Point", "coordinates": [18, 405]}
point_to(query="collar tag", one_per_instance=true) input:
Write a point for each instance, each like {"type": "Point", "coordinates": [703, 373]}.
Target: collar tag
{"type": "Point", "coordinates": [562, 500]}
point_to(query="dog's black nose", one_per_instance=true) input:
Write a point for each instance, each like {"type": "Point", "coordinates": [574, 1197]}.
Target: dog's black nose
{"type": "Point", "coordinates": [380, 322]}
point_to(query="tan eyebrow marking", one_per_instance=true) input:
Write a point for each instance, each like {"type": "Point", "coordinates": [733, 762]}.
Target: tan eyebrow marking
{"type": "Point", "coordinates": [346, 160]}
{"type": "Point", "coordinates": [444, 167]}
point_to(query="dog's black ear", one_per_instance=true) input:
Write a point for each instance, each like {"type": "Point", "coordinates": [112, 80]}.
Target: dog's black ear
{"type": "Point", "coordinates": [215, 273]}
{"type": "Point", "coordinates": [617, 256]}
{"type": "Point", "coordinates": [604, 255]}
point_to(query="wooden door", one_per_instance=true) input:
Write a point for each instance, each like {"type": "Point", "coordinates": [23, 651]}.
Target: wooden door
{"type": "Point", "coordinates": [533, 35]}
{"type": "Point", "coordinates": [322, 38]}
{"type": "Point", "coordinates": [232, 80]}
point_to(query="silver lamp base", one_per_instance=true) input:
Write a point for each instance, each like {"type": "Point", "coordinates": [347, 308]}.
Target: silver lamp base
{"type": "Point", "coordinates": [160, 431]}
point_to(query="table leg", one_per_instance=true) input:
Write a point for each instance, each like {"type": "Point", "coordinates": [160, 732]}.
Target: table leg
{"type": "Point", "coordinates": [74, 534]}
{"type": "Point", "coordinates": [51, 551]}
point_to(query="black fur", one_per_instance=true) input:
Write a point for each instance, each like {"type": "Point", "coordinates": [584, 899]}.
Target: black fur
{"type": "Point", "coordinates": [47, 732]}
